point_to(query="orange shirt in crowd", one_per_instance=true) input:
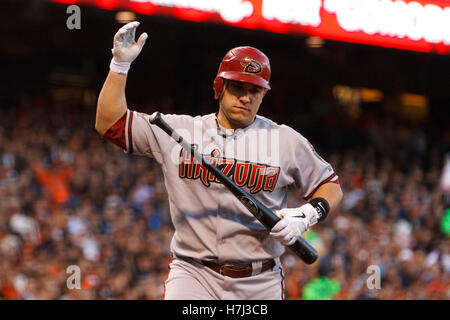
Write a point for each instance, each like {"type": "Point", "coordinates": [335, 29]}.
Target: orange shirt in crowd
{"type": "Point", "coordinates": [55, 180]}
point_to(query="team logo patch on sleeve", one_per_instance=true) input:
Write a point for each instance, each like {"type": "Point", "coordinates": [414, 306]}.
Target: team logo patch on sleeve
{"type": "Point", "coordinates": [254, 176]}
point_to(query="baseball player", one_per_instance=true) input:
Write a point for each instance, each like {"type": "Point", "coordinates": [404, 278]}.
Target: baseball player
{"type": "Point", "coordinates": [219, 249]}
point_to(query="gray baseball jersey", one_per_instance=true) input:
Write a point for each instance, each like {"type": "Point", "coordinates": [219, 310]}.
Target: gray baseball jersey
{"type": "Point", "coordinates": [264, 158]}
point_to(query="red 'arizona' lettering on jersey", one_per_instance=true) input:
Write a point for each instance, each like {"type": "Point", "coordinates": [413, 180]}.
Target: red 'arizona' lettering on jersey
{"type": "Point", "coordinates": [254, 176]}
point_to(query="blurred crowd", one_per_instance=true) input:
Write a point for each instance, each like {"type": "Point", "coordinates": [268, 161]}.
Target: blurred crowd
{"type": "Point", "coordinates": [69, 198]}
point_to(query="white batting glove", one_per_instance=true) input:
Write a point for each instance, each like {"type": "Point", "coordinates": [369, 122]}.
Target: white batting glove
{"type": "Point", "coordinates": [294, 222]}
{"type": "Point", "coordinates": [125, 48]}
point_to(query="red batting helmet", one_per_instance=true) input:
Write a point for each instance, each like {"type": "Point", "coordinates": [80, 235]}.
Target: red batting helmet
{"type": "Point", "coordinates": [246, 64]}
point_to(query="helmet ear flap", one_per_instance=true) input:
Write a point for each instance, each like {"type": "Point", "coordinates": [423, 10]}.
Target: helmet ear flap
{"type": "Point", "coordinates": [218, 87]}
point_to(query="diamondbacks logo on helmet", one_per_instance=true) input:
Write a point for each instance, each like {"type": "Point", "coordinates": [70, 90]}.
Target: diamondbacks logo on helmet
{"type": "Point", "coordinates": [251, 66]}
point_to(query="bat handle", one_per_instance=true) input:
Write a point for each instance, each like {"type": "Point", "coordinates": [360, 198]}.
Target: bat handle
{"type": "Point", "coordinates": [301, 247]}
{"type": "Point", "coordinates": [304, 251]}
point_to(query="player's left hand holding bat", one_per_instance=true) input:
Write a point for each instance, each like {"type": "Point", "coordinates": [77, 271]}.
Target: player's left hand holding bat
{"type": "Point", "coordinates": [294, 222]}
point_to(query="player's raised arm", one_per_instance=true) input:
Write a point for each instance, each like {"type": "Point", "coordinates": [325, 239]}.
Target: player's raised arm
{"type": "Point", "coordinates": [112, 104]}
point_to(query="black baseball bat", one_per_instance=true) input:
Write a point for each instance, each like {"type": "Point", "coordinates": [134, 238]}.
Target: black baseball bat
{"type": "Point", "coordinates": [264, 215]}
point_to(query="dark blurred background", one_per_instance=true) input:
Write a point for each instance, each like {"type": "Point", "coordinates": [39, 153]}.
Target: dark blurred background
{"type": "Point", "coordinates": [68, 197]}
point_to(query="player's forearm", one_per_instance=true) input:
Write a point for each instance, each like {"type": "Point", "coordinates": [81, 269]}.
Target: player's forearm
{"type": "Point", "coordinates": [331, 192]}
{"type": "Point", "coordinates": [111, 104]}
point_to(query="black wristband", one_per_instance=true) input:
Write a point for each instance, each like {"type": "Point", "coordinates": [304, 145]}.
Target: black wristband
{"type": "Point", "coordinates": [322, 207]}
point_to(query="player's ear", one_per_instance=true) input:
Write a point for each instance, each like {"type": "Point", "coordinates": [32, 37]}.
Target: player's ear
{"type": "Point", "coordinates": [224, 86]}
{"type": "Point", "coordinates": [225, 83]}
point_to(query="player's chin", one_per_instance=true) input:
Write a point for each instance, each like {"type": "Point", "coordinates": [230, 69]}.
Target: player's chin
{"type": "Point", "coordinates": [242, 118]}
{"type": "Point", "coordinates": [241, 109]}
{"type": "Point", "coordinates": [242, 113]}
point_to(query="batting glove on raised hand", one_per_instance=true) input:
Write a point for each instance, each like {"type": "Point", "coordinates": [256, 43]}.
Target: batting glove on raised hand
{"type": "Point", "coordinates": [125, 48]}
{"type": "Point", "coordinates": [294, 222]}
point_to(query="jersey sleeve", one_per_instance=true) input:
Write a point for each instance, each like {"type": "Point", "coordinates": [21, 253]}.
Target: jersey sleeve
{"type": "Point", "coordinates": [310, 170]}
{"type": "Point", "coordinates": [135, 135]}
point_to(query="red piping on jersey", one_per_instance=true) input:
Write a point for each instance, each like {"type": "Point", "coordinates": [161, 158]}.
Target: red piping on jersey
{"type": "Point", "coordinates": [167, 277]}
{"type": "Point", "coordinates": [323, 182]}
{"type": "Point", "coordinates": [130, 140]}
{"type": "Point", "coordinates": [116, 134]}
{"type": "Point", "coordinates": [283, 297]}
